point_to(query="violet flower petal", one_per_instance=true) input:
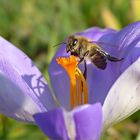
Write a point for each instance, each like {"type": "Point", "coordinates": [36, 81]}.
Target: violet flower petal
{"type": "Point", "coordinates": [58, 75]}
{"type": "Point", "coordinates": [17, 100]}
{"type": "Point", "coordinates": [28, 71]}
{"type": "Point", "coordinates": [83, 123]}
{"type": "Point", "coordinates": [123, 98]}
{"type": "Point", "coordinates": [126, 39]}
{"type": "Point", "coordinates": [95, 33]}
{"type": "Point", "coordinates": [89, 122]}
{"type": "Point", "coordinates": [52, 124]}
{"type": "Point", "coordinates": [120, 44]}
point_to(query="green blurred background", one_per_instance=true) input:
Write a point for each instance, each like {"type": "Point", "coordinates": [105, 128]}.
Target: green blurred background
{"type": "Point", "coordinates": [36, 25]}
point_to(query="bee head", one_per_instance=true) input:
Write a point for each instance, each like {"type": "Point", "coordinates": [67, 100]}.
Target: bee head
{"type": "Point", "coordinates": [71, 44]}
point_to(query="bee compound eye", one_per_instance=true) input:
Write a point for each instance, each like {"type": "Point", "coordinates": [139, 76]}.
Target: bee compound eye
{"type": "Point", "coordinates": [74, 42]}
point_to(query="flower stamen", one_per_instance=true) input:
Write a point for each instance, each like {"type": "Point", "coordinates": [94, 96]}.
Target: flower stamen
{"type": "Point", "coordinates": [78, 85]}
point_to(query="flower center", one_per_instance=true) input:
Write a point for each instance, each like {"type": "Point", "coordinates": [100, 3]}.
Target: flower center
{"type": "Point", "coordinates": [78, 85]}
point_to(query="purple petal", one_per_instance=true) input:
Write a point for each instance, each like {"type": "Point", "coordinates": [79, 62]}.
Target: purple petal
{"type": "Point", "coordinates": [83, 123]}
{"type": "Point", "coordinates": [127, 38]}
{"type": "Point", "coordinates": [100, 81]}
{"type": "Point", "coordinates": [129, 47]}
{"type": "Point", "coordinates": [28, 71]}
{"type": "Point", "coordinates": [124, 43]}
{"type": "Point", "coordinates": [89, 123]}
{"type": "Point", "coordinates": [95, 33]}
{"type": "Point", "coordinates": [123, 98]}
{"type": "Point", "coordinates": [52, 124]}
{"type": "Point", "coordinates": [17, 100]}
{"type": "Point", "coordinates": [58, 76]}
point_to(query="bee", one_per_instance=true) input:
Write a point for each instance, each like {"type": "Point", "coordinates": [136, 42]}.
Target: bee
{"type": "Point", "coordinates": [84, 49]}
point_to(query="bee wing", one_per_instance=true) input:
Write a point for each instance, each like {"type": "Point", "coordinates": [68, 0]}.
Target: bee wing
{"type": "Point", "coordinates": [99, 59]}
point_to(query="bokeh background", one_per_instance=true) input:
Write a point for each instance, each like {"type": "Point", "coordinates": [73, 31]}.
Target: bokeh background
{"type": "Point", "coordinates": [36, 25]}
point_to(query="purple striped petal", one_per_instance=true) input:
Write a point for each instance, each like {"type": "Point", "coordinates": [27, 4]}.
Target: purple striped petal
{"type": "Point", "coordinates": [58, 75]}
{"type": "Point", "coordinates": [23, 91]}
{"type": "Point", "coordinates": [29, 73]}
{"type": "Point", "coordinates": [83, 123]}
{"type": "Point", "coordinates": [124, 43]}
{"type": "Point", "coordinates": [17, 100]}
{"type": "Point", "coordinates": [123, 98]}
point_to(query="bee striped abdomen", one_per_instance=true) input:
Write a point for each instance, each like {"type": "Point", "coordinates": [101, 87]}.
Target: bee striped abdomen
{"type": "Point", "coordinates": [99, 59]}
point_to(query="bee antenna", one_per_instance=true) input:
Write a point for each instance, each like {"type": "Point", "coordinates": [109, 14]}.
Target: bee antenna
{"type": "Point", "coordinates": [59, 44]}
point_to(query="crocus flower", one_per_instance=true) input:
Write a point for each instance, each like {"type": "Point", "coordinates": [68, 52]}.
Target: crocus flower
{"type": "Point", "coordinates": [25, 95]}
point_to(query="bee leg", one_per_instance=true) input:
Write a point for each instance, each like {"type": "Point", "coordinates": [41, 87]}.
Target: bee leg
{"type": "Point", "coordinates": [85, 66]}
{"type": "Point", "coordinates": [85, 71]}
{"type": "Point", "coordinates": [80, 56]}
{"type": "Point", "coordinates": [81, 60]}
{"type": "Point", "coordinates": [85, 54]}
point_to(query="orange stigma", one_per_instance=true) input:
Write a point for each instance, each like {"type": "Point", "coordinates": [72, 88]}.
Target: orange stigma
{"type": "Point", "coordinates": [78, 85]}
